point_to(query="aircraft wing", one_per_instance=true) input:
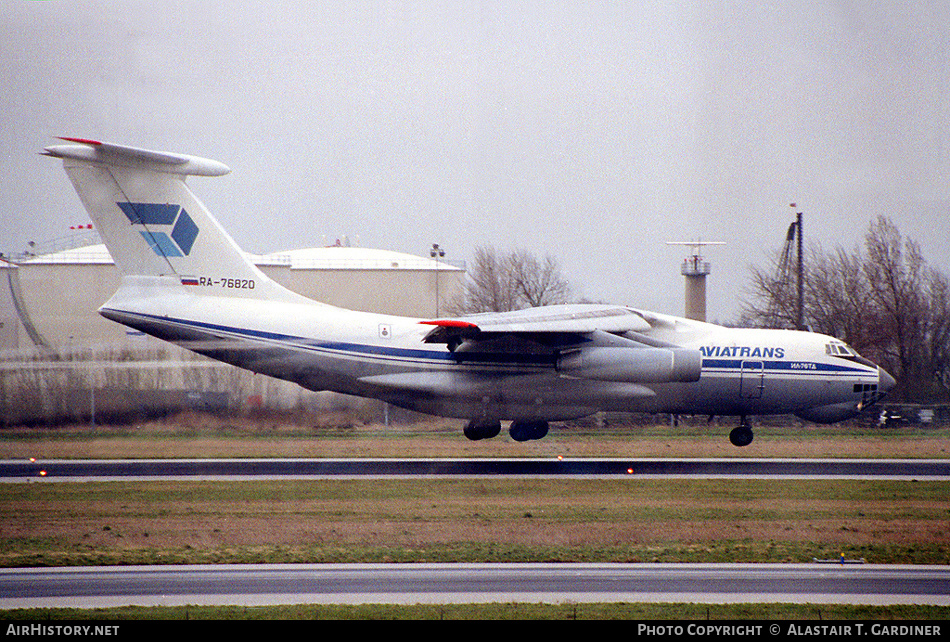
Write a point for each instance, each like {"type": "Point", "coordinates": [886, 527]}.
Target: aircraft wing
{"type": "Point", "coordinates": [575, 319]}
{"type": "Point", "coordinates": [600, 342]}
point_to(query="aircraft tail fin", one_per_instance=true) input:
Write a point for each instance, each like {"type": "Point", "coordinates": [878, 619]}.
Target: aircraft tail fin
{"type": "Point", "coordinates": [153, 224]}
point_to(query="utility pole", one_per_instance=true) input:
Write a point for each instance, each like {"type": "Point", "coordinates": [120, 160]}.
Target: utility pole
{"type": "Point", "coordinates": [801, 271]}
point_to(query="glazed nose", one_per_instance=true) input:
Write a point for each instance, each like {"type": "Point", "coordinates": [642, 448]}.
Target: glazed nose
{"type": "Point", "coordinates": [884, 380]}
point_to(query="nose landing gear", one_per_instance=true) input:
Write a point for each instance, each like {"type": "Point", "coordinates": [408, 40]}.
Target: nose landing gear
{"type": "Point", "coordinates": [741, 436]}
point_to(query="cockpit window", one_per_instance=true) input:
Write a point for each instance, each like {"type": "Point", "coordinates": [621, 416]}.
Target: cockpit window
{"type": "Point", "coordinates": [839, 350]}
{"type": "Point", "coordinates": [844, 351]}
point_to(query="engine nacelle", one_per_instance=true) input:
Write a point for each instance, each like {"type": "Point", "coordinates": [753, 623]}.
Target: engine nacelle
{"type": "Point", "coordinates": [634, 365]}
{"type": "Point", "coordinates": [830, 414]}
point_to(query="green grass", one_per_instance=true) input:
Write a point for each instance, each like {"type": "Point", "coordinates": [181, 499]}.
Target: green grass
{"type": "Point", "coordinates": [54, 553]}
{"type": "Point", "coordinates": [661, 491]}
{"type": "Point", "coordinates": [290, 434]}
{"type": "Point", "coordinates": [496, 520]}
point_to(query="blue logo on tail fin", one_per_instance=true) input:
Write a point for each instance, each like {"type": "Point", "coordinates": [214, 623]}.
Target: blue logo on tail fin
{"type": "Point", "coordinates": [183, 232]}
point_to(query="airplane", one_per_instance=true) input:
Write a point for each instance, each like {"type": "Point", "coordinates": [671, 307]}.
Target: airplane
{"type": "Point", "coordinates": [185, 281]}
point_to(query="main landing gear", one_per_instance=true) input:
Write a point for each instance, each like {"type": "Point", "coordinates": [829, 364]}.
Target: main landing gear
{"type": "Point", "coordinates": [528, 430]}
{"type": "Point", "coordinates": [519, 430]}
{"type": "Point", "coordinates": [476, 430]}
{"type": "Point", "coordinates": [741, 436]}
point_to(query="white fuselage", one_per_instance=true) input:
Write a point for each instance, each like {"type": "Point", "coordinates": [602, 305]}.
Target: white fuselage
{"type": "Point", "coordinates": [320, 347]}
{"type": "Point", "coordinates": [186, 281]}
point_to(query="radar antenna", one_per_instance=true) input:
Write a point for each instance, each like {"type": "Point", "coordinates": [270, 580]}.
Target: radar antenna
{"type": "Point", "coordinates": [695, 270]}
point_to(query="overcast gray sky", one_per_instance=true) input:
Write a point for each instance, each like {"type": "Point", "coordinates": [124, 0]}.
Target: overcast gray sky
{"type": "Point", "coordinates": [592, 131]}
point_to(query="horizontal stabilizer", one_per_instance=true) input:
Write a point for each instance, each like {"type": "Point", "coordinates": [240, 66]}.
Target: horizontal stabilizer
{"type": "Point", "coordinates": [120, 155]}
{"type": "Point", "coordinates": [155, 226]}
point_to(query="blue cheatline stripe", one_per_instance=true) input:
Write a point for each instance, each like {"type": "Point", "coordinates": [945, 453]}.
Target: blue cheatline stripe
{"type": "Point", "coordinates": [150, 213]}
{"type": "Point", "coordinates": [795, 367]}
{"type": "Point", "coordinates": [355, 349]}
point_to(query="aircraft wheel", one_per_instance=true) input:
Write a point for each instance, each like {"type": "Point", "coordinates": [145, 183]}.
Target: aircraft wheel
{"type": "Point", "coordinates": [541, 430]}
{"type": "Point", "coordinates": [471, 432]}
{"type": "Point", "coordinates": [519, 431]}
{"type": "Point", "coordinates": [482, 430]}
{"type": "Point", "coordinates": [741, 436]}
{"type": "Point", "coordinates": [528, 430]}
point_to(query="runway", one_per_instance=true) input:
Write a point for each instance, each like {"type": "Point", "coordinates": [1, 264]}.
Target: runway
{"type": "Point", "coordinates": [254, 585]}
{"type": "Point", "coordinates": [281, 468]}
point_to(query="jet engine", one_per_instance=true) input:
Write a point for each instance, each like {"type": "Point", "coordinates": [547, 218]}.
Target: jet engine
{"type": "Point", "coordinates": [636, 365]}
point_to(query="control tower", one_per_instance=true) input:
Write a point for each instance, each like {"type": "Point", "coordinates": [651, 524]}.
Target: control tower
{"type": "Point", "coordinates": [695, 270]}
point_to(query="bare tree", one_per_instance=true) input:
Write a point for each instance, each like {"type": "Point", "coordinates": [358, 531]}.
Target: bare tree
{"type": "Point", "coordinates": [885, 301]}
{"type": "Point", "coordinates": [837, 297]}
{"type": "Point", "coordinates": [896, 273]}
{"type": "Point", "coordinates": [538, 282]}
{"type": "Point", "coordinates": [512, 281]}
{"type": "Point", "coordinates": [490, 287]}
{"type": "Point", "coordinates": [939, 298]}
{"type": "Point", "coordinates": [774, 296]}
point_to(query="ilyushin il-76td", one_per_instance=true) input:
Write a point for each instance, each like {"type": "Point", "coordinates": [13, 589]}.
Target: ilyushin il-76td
{"type": "Point", "coordinates": [184, 280]}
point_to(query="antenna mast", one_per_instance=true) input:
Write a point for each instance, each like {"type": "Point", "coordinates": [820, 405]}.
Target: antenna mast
{"type": "Point", "coordinates": [801, 272]}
